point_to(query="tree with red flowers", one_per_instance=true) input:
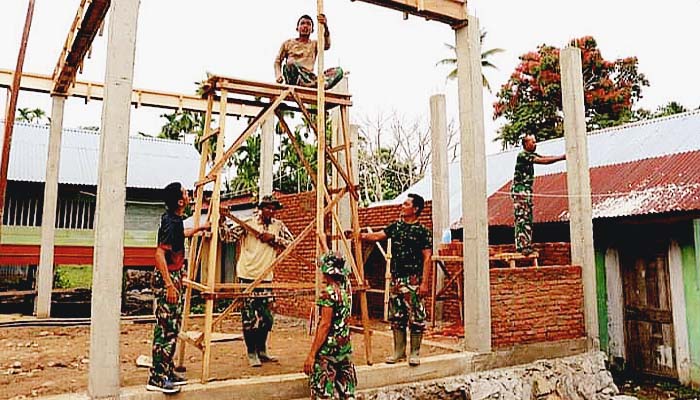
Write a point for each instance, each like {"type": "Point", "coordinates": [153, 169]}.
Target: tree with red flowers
{"type": "Point", "coordinates": [531, 101]}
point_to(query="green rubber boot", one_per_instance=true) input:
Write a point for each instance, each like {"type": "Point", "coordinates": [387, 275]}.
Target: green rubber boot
{"type": "Point", "coordinates": [399, 347]}
{"type": "Point", "coordinates": [414, 358]}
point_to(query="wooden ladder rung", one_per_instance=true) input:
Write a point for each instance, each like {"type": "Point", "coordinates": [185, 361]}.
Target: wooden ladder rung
{"type": "Point", "coordinates": [337, 148]}
{"type": "Point", "coordinates": [209, 136]}
{"type": "Point", "coordinates": [205, 181]}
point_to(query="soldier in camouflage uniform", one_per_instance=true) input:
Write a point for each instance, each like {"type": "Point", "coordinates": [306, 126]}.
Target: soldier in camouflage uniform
{"type": "Point", "coordinates": [167, 288]}
{"type": "Point", "coordinates": [521, 191]}
{"type": "Point", "coordinates": [411, 248]}
{"type": "Point", "coordinates": [257, 252]}
{"type": "Point", "coordinates": [329, 363]}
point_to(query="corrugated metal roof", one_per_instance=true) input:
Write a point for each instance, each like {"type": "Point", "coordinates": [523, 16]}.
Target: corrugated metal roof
{"type": "Point", "coordinates": [153, 163]}
{"type": "Point", "coordinates": [641, 140]}
{"type": "Point", "coordinates": [651, 186]}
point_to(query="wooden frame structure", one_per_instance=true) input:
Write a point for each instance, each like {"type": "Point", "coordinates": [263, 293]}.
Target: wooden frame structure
{"type": "Point", "coordinates": [203, 251]}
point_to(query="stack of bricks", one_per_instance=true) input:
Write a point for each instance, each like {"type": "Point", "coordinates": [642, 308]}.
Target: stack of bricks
{"type": "Point", "coordinates": [551, 253]}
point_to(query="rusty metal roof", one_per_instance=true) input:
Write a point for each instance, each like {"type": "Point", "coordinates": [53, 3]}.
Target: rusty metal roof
{"type": "Point", "coordinates": [658, 137]}
{"type": "Point", "coordinates": [650, 186]}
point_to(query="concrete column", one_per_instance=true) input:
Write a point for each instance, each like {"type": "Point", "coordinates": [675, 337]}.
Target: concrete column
{"type": "Point", "coordinates": [267, 153]}
{"type": "Point", "coordinates": [103, 381]}
{"type": "Point", "coordinates": [477, 298]}
{"type": "Point", "coordinates": [441, 184]}
{"type": "Point", "coordinates": [48, 218]}
{"type": "Point", "coordinates": [579, 184]}
{"type": "Point", "coordinates": [337, 130]}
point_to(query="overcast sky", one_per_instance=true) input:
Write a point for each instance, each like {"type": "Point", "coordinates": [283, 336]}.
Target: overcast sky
{"type": "Point", "coordinates": [391, 61]}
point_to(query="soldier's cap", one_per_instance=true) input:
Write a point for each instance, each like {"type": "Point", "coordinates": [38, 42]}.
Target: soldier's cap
{"type": "Point", "coordinates": [270, 199]}
{"type": "Point", "coordinates": [333, 263]}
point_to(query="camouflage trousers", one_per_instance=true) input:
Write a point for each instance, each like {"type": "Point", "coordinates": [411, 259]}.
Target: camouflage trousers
{"type": "Point", "coordinates": [406, 307]}
{"type": "Point", "coordinates": [256, 312]}
{"type": "Point", "coordinates": [295, 74]}
{"type": "Point", "coordinates": [522, 212]}
{"type": "Point", "coordinates": [165, 331]}
{"type": "Point", "coordinates": [332, 379]}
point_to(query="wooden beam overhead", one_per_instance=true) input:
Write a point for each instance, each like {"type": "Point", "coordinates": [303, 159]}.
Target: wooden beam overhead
{"type": "Point", "coordinates": [140, 97]}
{"type": "Point", "coordinates": [88, 20]}
{"type": "Point", "coordinates": [451, 12]}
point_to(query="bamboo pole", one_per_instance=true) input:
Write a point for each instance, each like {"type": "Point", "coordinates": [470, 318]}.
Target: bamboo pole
{"type": "Point", "coordinates": [11, 109]}
{"type": "Point", "coordinates": [321, 148]}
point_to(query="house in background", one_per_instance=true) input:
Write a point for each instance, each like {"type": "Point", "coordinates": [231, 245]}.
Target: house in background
{"type": "Point", "coordinates": [645, 186]}
{"type": "Point", "coordinates": [153, 163]}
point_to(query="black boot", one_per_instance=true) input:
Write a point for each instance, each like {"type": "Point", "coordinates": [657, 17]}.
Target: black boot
{"type": "Point", "coordinates": [251, 347]}
{"type": "Point", "coordinates": [262, 347]}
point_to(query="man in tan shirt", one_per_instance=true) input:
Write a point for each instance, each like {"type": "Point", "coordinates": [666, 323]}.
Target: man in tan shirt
{"type": "Point", "coordinates": [295, 61]}
{"type": "Point", "coordinates": [257, 252]}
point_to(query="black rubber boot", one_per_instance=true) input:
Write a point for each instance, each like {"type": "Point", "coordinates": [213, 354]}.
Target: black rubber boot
{"type": "Point", "coordinates": [262, 347]}
{"type": "Point", "coordinates": [251, 347]}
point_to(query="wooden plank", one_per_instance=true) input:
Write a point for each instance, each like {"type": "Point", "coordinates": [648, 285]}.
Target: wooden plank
{"type": "Point", "coordinates": [87, 90]}
{"type": "Point", "coordinates": [272, 90]}
{"type": "Point", "coordinates": [451, 12]}
{"type": "Point", "coordinates": [78, 43]}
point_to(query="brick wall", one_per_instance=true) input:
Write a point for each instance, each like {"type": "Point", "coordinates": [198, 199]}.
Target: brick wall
{"type": "Point", "coordinates": [528, 305]}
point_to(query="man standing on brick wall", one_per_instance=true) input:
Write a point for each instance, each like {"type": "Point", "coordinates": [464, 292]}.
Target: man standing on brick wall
{"type": "Point", "coordinates": [521, 191]}
{"type": "Point", "coordinates": [257, 252]}
{"type": "Point", "coordinates": [411, 248]}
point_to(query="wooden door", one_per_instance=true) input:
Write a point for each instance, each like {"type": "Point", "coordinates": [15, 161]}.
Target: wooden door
{"type": "Point", "coordinates": [649, 333]}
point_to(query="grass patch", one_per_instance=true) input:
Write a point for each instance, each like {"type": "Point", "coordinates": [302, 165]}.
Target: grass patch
{"type": "Point", "coordinates": [73, 277]}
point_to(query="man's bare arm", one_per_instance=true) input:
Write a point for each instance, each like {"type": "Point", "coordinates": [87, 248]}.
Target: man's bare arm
{"type": "Point", "coordinates": [281, 56]}
{"type": "Point", "coordinates": [548, 159]}
{"type": "Point", "coordinates": [373, 236]}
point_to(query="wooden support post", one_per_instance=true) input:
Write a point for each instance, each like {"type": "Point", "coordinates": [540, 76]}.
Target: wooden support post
{"type": "Point", "coordinates": [579, 184]}
{"type": "Point", "coordinates": [196, 241]}
{"type": "Point", "coordinates": [267, 155]}
{"type": "Point", "coordinates": [48, 225]}
{"type": "Point", "coordinates": [321, 148]}
{"type": "Point", "coordinates": [441, 186]}
{"type": "Point", "coordinates": [213, 260]}
{"type": "Point", "coordinates": [111, 199]}
{"type": "Point", "coordinates": [477, 318]}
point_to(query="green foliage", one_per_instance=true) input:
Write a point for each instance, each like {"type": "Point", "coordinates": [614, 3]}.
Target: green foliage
{"type": "Point", "coordinates": [531, 100]}
{"type": "Point", "coordinates": [485, 62]}
{"type": "Point", "coordinates": [178, 123]}
{"type": "Point", "coordinates": [72, 277]}
{"type": "Point", "coordinates": [31, 115]}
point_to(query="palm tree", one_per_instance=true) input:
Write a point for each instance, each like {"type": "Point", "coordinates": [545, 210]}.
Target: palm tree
{"type": "Point", "coordinates": [29, 115]}
{"type": "Point", "coordinates": [485, 63]}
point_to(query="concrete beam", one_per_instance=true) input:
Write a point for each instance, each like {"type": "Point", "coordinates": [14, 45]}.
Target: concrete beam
{"type": "Point", "coordinates": [48, 225]}
{"type": "Point", "coordinates": [440, 180]}
{"type": "Point", "coordinates": [579, 184]}
{"type": "Point", "coordinates": [267, 155]}
{"type": "Point", "coordinates": [103, 379]}
{"type": "Point", "coordinates": [477, 316]}
{"type": "Point", "coordinates": [295, 386]}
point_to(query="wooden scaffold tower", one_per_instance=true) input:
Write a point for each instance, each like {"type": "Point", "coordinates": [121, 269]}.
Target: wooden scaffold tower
{"type": "Point", "coordinates": [204, 253]}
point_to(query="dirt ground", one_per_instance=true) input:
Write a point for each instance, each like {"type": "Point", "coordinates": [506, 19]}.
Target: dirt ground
{"type": "Point", "coordinates": [41, 361]}
{"type": "Point", "coordinates": [656, 389]}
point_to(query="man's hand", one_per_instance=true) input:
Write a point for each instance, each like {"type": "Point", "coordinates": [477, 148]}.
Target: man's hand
{"type": "Point", "coordinates": [279, 79]}
{"type": "Point", "coordinates": [173, 294]}
{"type": "Point", "coordinates": [323, 20]}
{"type": "Point", "coordinates": [266, 237]}
{"type": "Point", "coordinates": [206, 226]}
{"type": "Point", "coordinates": [309, 364]}
{"type": "Point", "coordinates": [423, 289]}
